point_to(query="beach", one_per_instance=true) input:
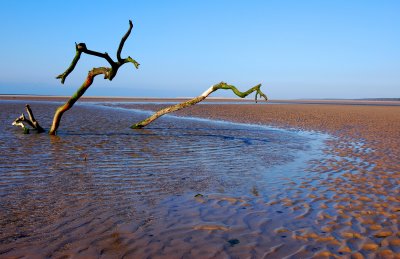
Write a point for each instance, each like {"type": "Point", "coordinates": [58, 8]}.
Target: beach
{"type": "Point", "coordinates": [224, 179]}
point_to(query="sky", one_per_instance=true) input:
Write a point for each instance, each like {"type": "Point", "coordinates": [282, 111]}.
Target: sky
{"type": "Point", "coordinates": [296, 49]}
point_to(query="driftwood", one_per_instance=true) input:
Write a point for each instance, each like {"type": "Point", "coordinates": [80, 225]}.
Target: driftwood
{"type": "Point", "coordinates": [198, 99]}
{"type": "Point", "coordinates": [22, 120]}
{"type": "Point", "coordinates": [108, 72]}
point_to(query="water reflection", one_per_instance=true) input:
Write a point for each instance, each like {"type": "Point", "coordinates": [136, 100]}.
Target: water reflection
{"type": "Point", "coordinates": [98, 173]}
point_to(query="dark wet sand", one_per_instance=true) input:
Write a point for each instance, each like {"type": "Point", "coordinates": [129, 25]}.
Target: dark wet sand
{"type": "Point", "coordinates": [343, 203]}
{"type": "Point", "coordinates": [354, 196]}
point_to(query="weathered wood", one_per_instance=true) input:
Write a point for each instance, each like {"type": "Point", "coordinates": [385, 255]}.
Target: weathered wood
{"type": "Point", "coordinates": [68, 105]}
{"type": "Point", "coordinates": [31, 121]}
{"type": "Point", "coordinates": [198, 99]}
{"type": "Point", "coordinates": [108, 72]}
{"type": "Point", "coordinates": [34, 122]}
{"type": "Point", "coordinates": [19, 123]}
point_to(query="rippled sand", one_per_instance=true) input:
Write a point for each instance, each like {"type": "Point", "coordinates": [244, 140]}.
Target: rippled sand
{"type": "Point", "coordinates": [351, 202]}
{"type": "Point", "coordinates": [198, 189]}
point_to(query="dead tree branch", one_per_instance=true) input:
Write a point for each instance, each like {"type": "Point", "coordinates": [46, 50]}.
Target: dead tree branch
{"type": "Point", "coordinates": [198, 99]}
{"type": "Point", "coordinates": [21, 120]}
{"type": "Point", "coordinates": [108, 72]}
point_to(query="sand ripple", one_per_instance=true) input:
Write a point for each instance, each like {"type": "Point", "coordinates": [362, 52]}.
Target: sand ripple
{"type": "Point", "coordinates": [202, 190]}
{"type": "Point", "coordinates": [100, 189]}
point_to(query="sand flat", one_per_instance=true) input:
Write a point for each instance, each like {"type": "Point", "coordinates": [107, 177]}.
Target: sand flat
{"type": "Point", "coordinates": [354, 191]}
{"type": "Point", "coordinates": [340, 201]}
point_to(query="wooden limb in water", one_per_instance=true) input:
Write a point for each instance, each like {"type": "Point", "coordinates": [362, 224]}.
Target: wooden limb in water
{"type": "Point", "coordinates": [35, 123]}
{"type": "Point", "coordinates": [31, 121]}
{"type": "Point", "coordinates": [19, 122]}
{"type": "Point", "coordinates": [108, 72]}
{"type": "Point", "coordinates": [68, 105]}
{"type": "Point", "coordinates": [198, 99]}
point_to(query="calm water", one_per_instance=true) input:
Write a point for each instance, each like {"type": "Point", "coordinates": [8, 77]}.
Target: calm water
{"type": "Point", "coordinates": [98, 174]}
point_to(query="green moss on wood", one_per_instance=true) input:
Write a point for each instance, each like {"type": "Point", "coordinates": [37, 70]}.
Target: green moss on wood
{"type": "Point", "coordinates": [198, 99]}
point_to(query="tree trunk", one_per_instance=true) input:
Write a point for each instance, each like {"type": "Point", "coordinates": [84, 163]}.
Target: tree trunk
{"type": "Point", "coordinates": [68, 105]}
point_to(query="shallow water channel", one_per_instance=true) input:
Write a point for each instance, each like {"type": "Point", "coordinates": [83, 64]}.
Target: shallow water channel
{"type": "Point", "coordinates": [183, 186]}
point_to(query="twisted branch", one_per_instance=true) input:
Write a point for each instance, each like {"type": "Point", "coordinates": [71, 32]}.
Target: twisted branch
{"type": "Point", "coordinates": [108, 72]}
{"type": "Point", "coordinates": [198, 99]}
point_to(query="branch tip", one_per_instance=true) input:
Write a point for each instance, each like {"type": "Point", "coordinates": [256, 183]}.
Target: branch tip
{"type": "Point", "coordinates": [123, 39]}
{"type": "Point", "coordinates": [131, 60]}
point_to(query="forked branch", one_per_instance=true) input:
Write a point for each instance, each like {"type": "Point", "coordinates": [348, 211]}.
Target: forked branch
{"type": "Point", "coordinates": [22, 120]}
{"type": "Point", "coordinates": [108, 72]}
{"type": "Point", "coordinates": [198, 99]}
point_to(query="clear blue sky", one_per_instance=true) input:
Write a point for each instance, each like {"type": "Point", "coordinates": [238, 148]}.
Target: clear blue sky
{"type": "Point", "coordinates": [296, 49]}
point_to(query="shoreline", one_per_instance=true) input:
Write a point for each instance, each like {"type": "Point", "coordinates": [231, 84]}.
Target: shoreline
{"type": "Point", "coordinates": [329, 118]}
{"type": "Point", "coordinates": [367, 102]}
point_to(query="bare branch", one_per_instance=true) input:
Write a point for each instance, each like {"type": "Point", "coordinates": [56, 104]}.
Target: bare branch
{"type": "Point", "coordinates": [198, 99]}
{"type": "Point", "coordinates": [109, 73]}
{"type": "Point", "coordinates": [100, 55]}
{"type": "Point", "coordinates": [121, 44]}
{"type": "Point", "coordinates": [71, 67]}
{"type": "Point", "coordinates": [81, 48]}
{"type": "Point", "coordinates": [131, 60]}
{"type": "Point", "coordinates": [68, 105]}
{"type": "Point", "coordinates": [30, 113]}
{"type": "Point", "coordinates": [34, 123]}
{"type": "Point", "coordinates": [19, 121]}
{"type": "Point", "coordinates": [31, 122]}
{"type": "Point", "coordinates": [256, 88]}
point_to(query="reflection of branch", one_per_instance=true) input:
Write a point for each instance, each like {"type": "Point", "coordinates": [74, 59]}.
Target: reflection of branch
{"type": "Point", "coordinates": [31, 121]}
{"type": "Point", "coordinates": [198, 99]}
{"type": "Point", "coordinates": [109, 73]}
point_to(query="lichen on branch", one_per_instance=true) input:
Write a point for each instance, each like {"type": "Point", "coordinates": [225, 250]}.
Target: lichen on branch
{"type": "Point", "coordinates": [108, 72]}
{"type": "Point", "coordinates": [204, 95]}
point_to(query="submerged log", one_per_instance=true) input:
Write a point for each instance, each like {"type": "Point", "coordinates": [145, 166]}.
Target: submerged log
{"type": "Point", "coordinates": [198, 99]}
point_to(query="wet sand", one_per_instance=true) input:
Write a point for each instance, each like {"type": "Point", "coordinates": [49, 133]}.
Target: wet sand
{"type": "Point", "coordinates": [352, 202]}
{"type": "Point", "coordinates": [244, 192]}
